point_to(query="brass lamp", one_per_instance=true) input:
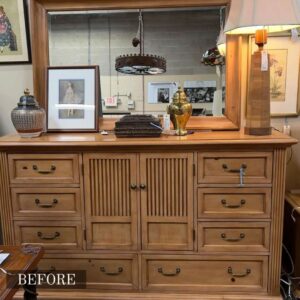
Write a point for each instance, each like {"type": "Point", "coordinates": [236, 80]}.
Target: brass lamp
{"type": "Point", "coordinates": [260, 17]}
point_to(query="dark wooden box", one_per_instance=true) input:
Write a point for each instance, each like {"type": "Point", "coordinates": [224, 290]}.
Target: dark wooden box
{"type": "Point", "coordinates": [138, 126]}
{"type": "Point", "coordinates": [291, 232]}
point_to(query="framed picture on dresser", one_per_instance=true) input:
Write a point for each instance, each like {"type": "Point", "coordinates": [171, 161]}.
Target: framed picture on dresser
{"type": "Point", "coordinates": [14, 32]}
{"type": "Point", "coordinates": [73, 99]}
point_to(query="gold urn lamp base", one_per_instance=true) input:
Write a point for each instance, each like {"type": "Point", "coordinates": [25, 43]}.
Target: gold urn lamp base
{"type": "Point", "coordinates": [180, 111]}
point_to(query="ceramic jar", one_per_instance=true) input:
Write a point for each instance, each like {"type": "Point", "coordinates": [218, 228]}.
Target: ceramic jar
{"type": "Point", "coordinates": [28, 117]}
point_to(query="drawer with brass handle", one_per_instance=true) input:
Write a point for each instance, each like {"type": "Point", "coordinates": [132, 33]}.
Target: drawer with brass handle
{"type": "Point", "coordinates": [44, 168]}
{"type": "Point", "coordinates": [233, 236]}
{"type": "Point", "coordinates": [250, 203]}
{"type": "Point", "coordinates": [58, 235]}
{"type": "Point", "coordinates": [239, 168]}
{"type": "Point", "coordinates": [45, 202]}
{"type": "Point", "coordinates": [103, 271]}
{"type": "Point", "coordinates": [204, 273]}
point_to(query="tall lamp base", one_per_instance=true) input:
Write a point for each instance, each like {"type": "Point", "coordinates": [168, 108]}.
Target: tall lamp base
{"type": "Point", "coordinates": [258, 120]}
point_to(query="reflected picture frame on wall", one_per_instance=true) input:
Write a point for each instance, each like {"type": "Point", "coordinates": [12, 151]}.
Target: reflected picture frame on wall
{"type": "Point", "coordinates": [14, 32]}
{"type": "Point", "coordinates": [73, 96]}
{"type": "Point", "coordinates": [284, 74]}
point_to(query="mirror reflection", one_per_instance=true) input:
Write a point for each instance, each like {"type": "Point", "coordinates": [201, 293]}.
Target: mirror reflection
{"type": "Point", "coordinates": [180, 36]}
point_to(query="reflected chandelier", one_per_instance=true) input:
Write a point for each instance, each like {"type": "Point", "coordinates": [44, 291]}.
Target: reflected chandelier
{"type": "Point", "coordinates": [140, 64]}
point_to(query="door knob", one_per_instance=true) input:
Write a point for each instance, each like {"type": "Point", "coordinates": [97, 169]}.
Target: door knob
{"type": "Point", "coordinates": [142, 186]}
{"type": "Point", "coordinates": [133, 186]}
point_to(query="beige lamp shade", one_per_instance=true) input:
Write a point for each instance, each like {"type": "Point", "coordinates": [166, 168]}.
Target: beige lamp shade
{"type": "Point", "coordinates": [247, 16]}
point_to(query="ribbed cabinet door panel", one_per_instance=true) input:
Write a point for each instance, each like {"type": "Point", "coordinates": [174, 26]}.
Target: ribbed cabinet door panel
{"type": "Point", "coordinates": [166, 201]}
{"type": "Point", "coordinates": [110, 200]}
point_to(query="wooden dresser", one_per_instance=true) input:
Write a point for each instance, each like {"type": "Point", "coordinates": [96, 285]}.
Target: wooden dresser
{"type": "Point", "coordinates": [197, 217]}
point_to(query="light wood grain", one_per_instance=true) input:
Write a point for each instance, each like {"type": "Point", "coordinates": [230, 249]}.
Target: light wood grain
{"type": "Point", "coordinates": [203, 273]}
{"type": "Point", "coordinates": [5, 202]}
{"type": "Point", "coordinates": [234, 203]}
{"type": "Point", "coordinates": [258, 167]}
{"type": "Point", "coordinates": [46, 168]}
{"type": "Point", "coordinates": [125, 279]}
{"type": "Point", "coordinates": [111, 202]}
{"type": "Point", "coordinates": [42, 202]}
{"type": "Point", "coordinates": [167, 201]}
{"type": "Point", "coordinates": [277, 220]}
{"type": "Point", "coordinates": [255, 236]}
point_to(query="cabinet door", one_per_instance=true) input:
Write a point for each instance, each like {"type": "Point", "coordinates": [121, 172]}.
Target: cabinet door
{"type": "Point", "coordinates": [167, 198]}
{"type": "Point", "coordinates": [111, 201]}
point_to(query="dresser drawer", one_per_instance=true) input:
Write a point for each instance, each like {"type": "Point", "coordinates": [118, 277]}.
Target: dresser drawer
{"type": "Point", "coordinates": [210, 274]}
{"type": "Point", "coordinates": [234, 203]}
{"type": "Point", "coordinates": [43, 168]}
{"type": "Point", "coordinates": [51, 235]}
{"type": "Point", "coordinates": [224, 167]}
{"type": "Point", "coordinates": [233, 236]}
{"type": "Point", "coordinates": [45, 202]}
{"type": "Point", "coordinates": [117, 271]}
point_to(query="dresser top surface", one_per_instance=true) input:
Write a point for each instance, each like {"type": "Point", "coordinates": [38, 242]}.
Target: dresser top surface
{"type": "Point", "coordinates": [96, 139]}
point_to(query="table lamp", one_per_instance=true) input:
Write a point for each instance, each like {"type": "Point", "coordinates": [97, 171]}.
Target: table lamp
{"type": "Point", "coordinates": [261, 17]}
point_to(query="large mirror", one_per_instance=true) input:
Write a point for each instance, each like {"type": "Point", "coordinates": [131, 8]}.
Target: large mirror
{"type": "Point", "coordinates": [179, 35]}
{"type": "Point", "coordinates": [95, 32]}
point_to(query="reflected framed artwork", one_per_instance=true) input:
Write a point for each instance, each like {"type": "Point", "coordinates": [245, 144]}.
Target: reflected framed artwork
{"type": "Point", "coordinates": [14, 33]}
{"type": "Point", "coordinates": [73, 99]}
{"type": "Point", "coordinates": [284, 74]}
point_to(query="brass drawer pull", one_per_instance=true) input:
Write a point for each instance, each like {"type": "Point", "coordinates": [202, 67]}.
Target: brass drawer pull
{"type": "Point", "coordinates": [225, 238]}
{"type": "Point", "coordinates": [160, 270]}
{"type": "Point", "coordinates": [241, 172]}
{"type": "Point", "coordinates": [120, 270]}
{"type": "Point", "coordinates": [224, 203]}
{"type": "Point", "coordinates": [230, 271]}
{"type": "Point", "coordinates": [53, 237]}
{"type": "Point", "coordinates": [52, 169]}
{"type": "Point", "coordinates": [46, 205]}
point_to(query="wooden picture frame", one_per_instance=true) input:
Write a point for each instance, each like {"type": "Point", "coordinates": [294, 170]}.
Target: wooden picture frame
{"type": "Point", "coordinates": [73, 98]}
{"type": "Point", "coordinates": [14, 39]}
{"type": "Point", "coordinates": [284, 74]}
{"type": "Point", "coordinates": [39, 10]}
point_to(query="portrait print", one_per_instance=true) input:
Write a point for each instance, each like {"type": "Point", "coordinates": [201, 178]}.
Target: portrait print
{"type": "Point", "coordinates": [13, 32]}
{"type": "Point", "coordinates": [163, 95]}
{"type": "Point", "coordinates": [71, 96]}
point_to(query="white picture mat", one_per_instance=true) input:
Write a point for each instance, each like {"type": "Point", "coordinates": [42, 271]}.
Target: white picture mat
{"type": "Point", "coordinates": [290, 105]}
{"type": "Point", "coordinates": [88, 75]}
{"type": "Point", "coordinates": [24, 56]}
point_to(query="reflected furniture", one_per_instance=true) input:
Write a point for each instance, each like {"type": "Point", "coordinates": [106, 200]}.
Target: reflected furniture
{"type": "Point", "coordinates": [195, 217]}
{"type": "Point", "coordinates": [39, 10]}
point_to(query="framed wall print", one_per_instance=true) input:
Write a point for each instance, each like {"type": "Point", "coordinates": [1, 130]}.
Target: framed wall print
{"type": "Point", "coordinates": [73, 99]}
{"type": "Point", "coordinates": [14, 33]}
{"type": "Point", "coordinates": [284, 74]}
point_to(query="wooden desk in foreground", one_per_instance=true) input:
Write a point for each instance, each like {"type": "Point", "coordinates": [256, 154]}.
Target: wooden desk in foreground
{"type": "Point", "coordinates": [21, 260]}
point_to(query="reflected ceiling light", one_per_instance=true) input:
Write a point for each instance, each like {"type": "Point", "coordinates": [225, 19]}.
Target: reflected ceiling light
{"type": "Point", "coordinates": [140, 64]}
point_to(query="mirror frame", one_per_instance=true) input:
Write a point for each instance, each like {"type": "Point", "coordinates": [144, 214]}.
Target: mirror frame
{"type": "Point", "coordinates": [40, 51]}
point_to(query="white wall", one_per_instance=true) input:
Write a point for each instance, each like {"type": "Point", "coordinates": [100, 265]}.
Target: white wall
{"type": "Point", "coordinates": [13, 80]}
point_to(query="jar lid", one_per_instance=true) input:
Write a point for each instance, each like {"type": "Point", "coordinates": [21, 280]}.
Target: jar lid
{"type": "Point", "coordinates": [27, 99]}
{"type": "Point", "coordinates": [179, 96]}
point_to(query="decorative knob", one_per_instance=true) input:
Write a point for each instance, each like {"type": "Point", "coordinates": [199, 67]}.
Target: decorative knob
{"type": "Point", "coordinates": [142, 186]}
{"type": "Point", "coordinates": [133, 186]}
